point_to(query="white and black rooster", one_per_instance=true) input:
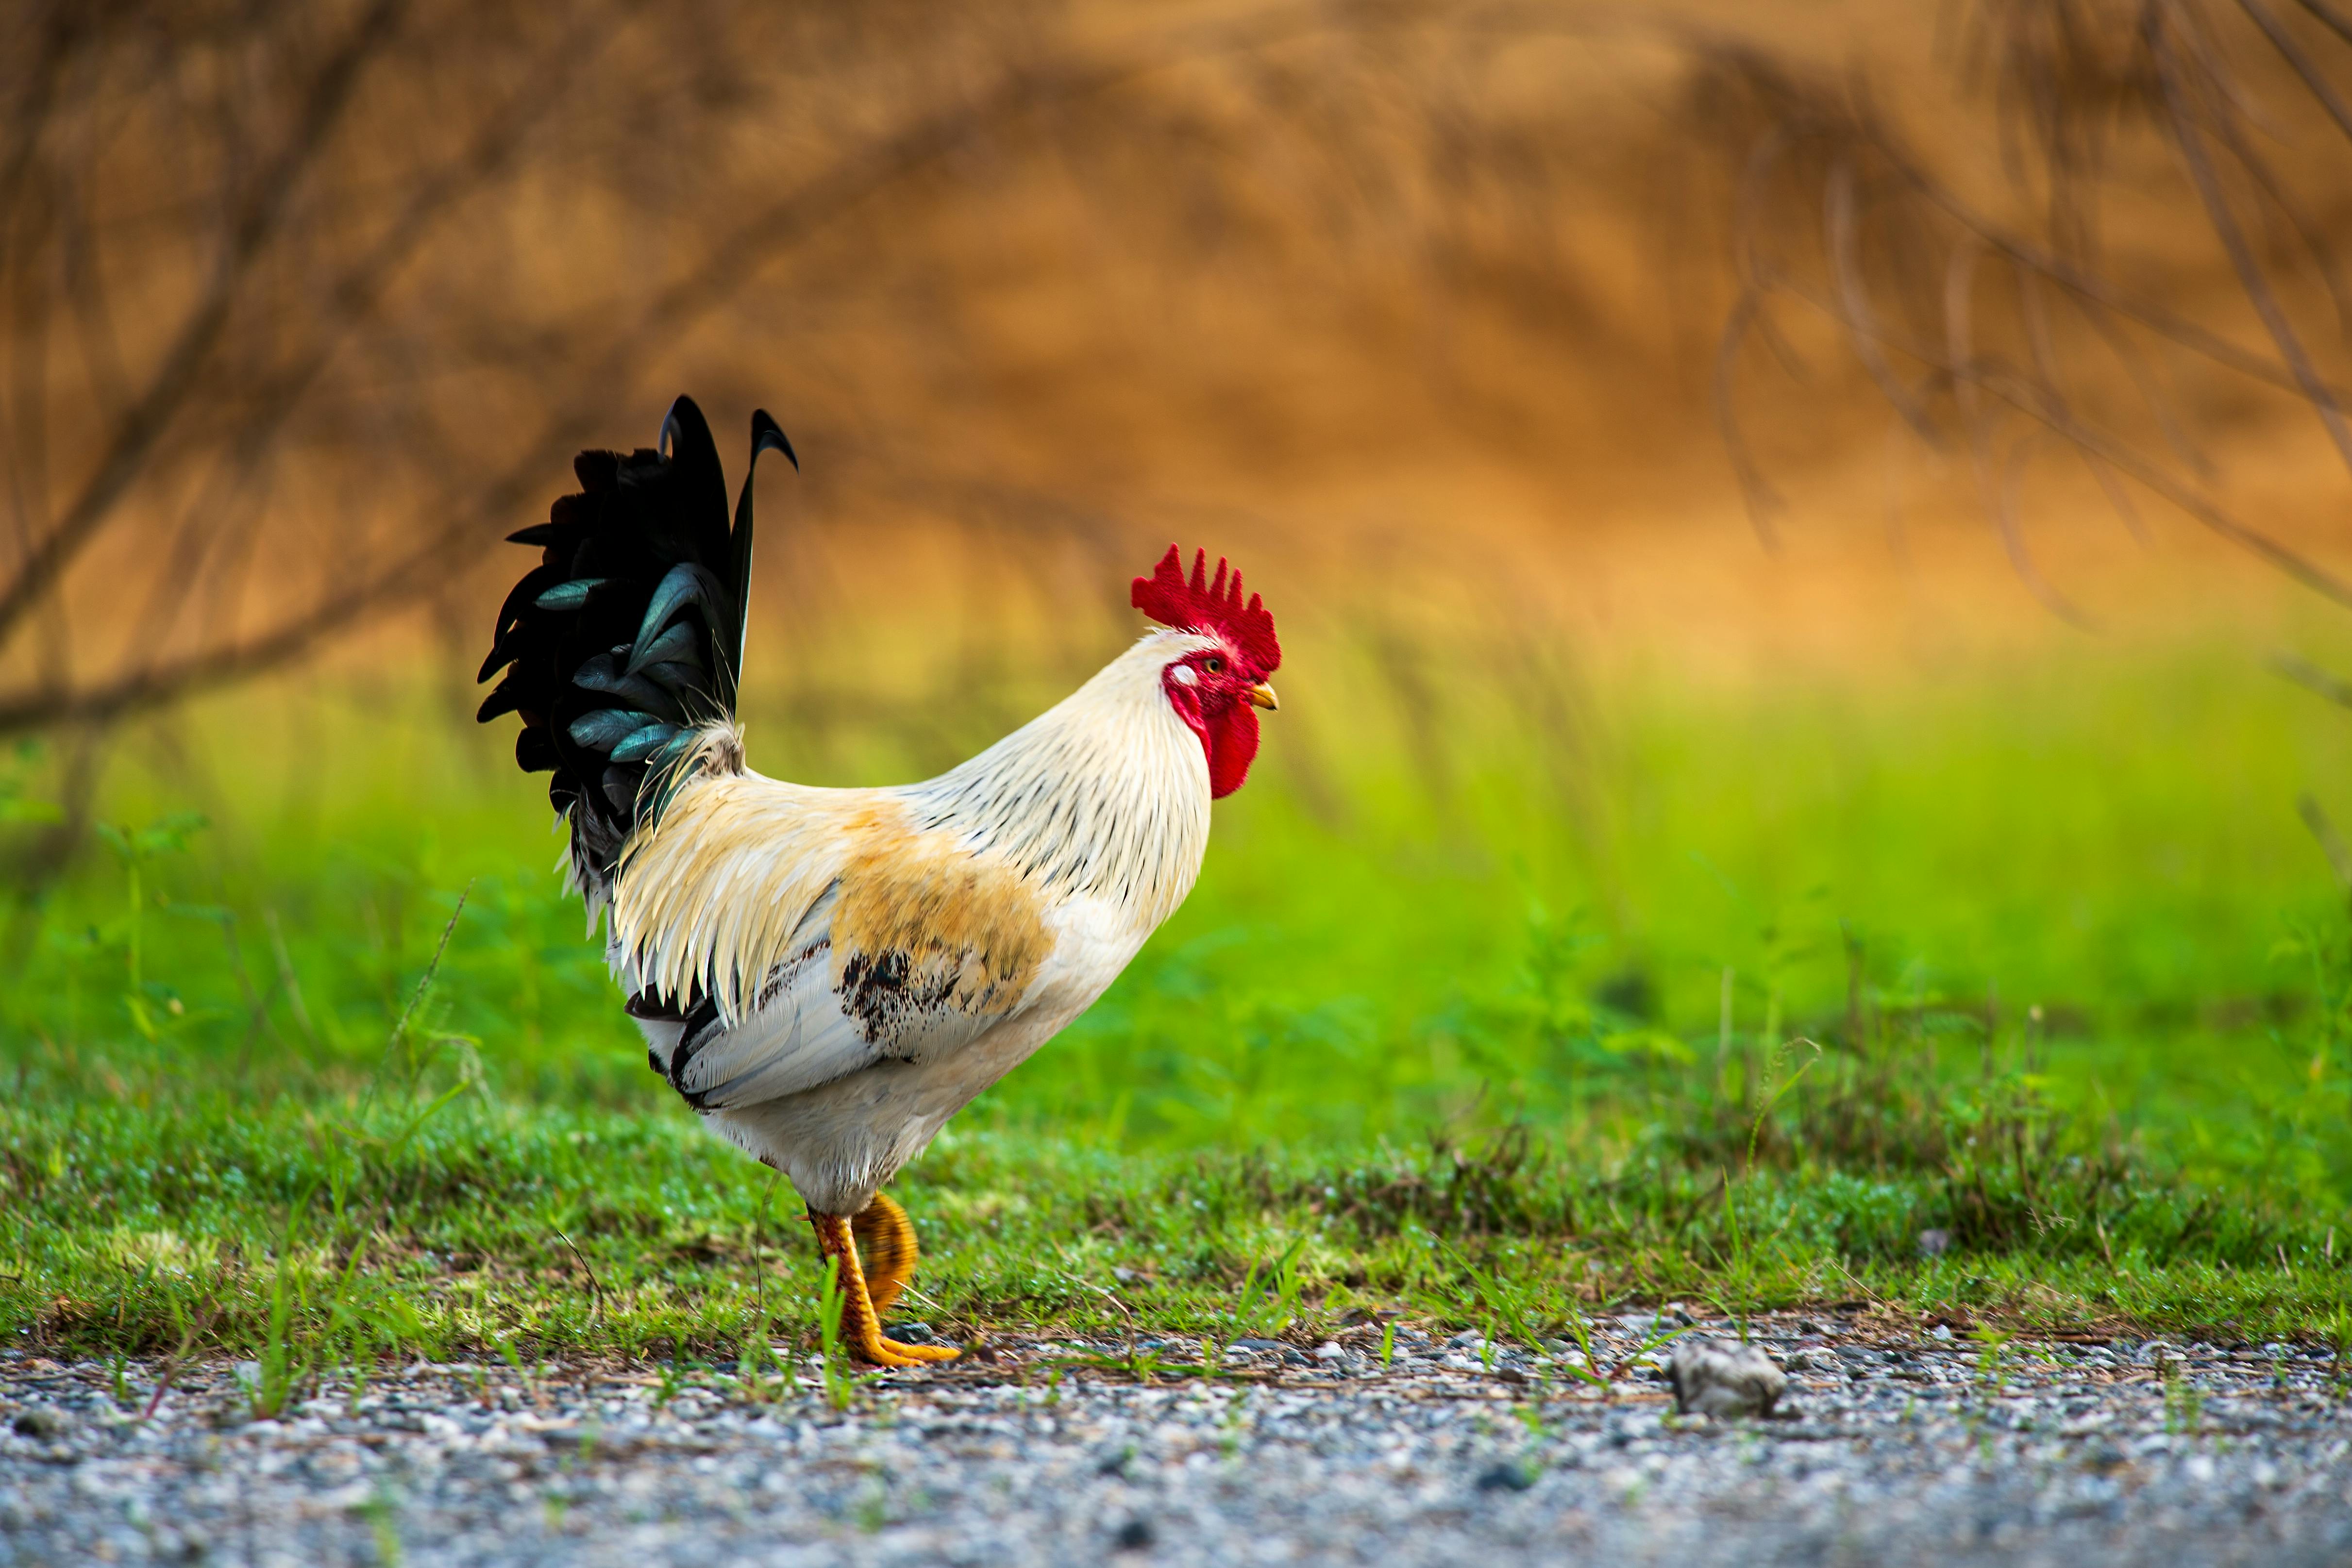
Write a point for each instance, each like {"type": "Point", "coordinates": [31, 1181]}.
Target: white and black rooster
{"type": "Point", "coordinates": [829, 975]}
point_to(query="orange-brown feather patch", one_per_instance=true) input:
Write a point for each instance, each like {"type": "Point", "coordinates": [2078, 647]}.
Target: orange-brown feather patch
{"type": "Point", "coordinates": [971, 930]}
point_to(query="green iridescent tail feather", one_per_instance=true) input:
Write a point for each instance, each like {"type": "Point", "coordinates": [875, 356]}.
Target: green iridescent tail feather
{"type": "Point", "coordinates": [626, 642]}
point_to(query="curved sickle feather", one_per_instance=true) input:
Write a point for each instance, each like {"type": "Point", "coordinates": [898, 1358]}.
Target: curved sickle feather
{"type": "Point", "coordinates": [767, 435]}
{"type": "Point", "coordinates": [693, 457]}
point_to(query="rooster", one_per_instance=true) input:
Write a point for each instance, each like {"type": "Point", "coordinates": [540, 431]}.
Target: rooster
{"type": "Point", "coordinates": [827, 976]}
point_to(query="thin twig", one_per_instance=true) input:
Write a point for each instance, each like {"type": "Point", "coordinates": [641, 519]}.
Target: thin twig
{"type": "Point", "coordinates": [432, 968]}
{"type": "Point", "coordinates": [595, 1285]}
{"type": "Point", "coordinates": [268, 199]}
{"type": "Point", "coordinates": [2031, 398]}
{"type": "Point", "coordinates": [287, 978]}
{"type": "Point", "coordinates": [2189, 139]}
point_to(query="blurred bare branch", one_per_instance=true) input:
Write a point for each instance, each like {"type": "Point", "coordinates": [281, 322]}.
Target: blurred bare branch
{"type": "Point", "coordinates": [302, 306]}
{"type": "Point", "coordinates": [1902, 259]}
{"type": "Point", "coordinates": [2310, 676]}
{"type": "Point", "coordinates": [313, 302]}
{"type": "Point", "coordinates": [239, 280]}
{"type": "Point", "coordinates": [2331, 843]}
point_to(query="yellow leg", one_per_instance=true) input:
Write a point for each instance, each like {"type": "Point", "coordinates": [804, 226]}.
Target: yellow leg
{"type": "Point", "coordinates": [861, 1326]}
{"type": "Point", "coordinates": [886, 1250]}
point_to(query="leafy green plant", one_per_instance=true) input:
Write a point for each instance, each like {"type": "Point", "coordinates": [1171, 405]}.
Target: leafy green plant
{"type": "Point", "coordinates": [1234, 1423]}
{"type": "Point", "coordinates": [762, 1374]}
{"type": "Point", "coordinates": [383, 1525]}
{"type": "Point", "coordinates": [1993, 1362]}
{"type": "Point", "coordinates": [154, 1008]}
{"type": "Point", "coordinates": [16, 805]}
{"type": "Point", "coordinates": [1526, 1309]}
{"type": "Point", "coordinates": [282, 1359]}
{"type": "Point", "coordinates": [1739, 1277]}
{"type": "Point", "coordinates": [2184, 1402]}
{"type": "Point", "coordinates": [1268, 1302]}
{"type": "Point", "coordinates": [526, 1372]}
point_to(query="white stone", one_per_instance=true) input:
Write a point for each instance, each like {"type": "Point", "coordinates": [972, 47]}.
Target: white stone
{"type": "Point", "coordinates": [1718, 1377]}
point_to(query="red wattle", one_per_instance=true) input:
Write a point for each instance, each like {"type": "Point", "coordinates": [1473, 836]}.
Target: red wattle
{"type": "Point", "coordinates": [1231, 739]}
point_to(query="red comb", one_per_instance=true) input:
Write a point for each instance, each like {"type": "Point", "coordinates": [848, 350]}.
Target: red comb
{"type": "Point", "coordinates": [1206, 604]}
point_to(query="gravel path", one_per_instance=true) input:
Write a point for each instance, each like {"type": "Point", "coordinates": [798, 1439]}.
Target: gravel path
{"type": "Point", "coordinates": [1896, 1450]}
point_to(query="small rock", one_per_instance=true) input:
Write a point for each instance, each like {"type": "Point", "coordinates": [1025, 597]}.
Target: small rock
{"type": "Point", "coordinates": [1717, 1377]}
{"type": "Point", "coordinates": [42, 1421]}
{"type": "Point", "coordinates": [1258, 1346]}
{"type": "Point", "coordinates": [1135, 1535]}
{"type": "Point", "coordinates": [180, 1546]}
{"type": "Point", "coordinates": [1941, 1332]}
{"type": "Point", "coordinates": [1935, 1243]}
{"type": "Point", "coordinates": [910, 1333]}
{"type": "Point", "coordinates": [1506, 1477]}
{"type": "Point", "coordinates": [1329, 1351]}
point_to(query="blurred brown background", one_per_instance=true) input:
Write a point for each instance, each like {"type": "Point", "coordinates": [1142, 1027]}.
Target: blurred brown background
{"type": "Point", "coordinates": [1737, 334]}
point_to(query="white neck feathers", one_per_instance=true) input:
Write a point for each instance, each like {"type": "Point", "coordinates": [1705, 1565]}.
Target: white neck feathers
{"type": "Point", "coordinates": [1107, 793]}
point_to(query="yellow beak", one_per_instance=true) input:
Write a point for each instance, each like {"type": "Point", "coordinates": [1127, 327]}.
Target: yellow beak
{"type": "Point", "coordinates": [1261, 696]}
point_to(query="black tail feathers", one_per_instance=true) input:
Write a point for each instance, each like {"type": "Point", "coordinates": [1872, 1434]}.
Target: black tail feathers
{"type": "Point", "coordinates": [627, 638]}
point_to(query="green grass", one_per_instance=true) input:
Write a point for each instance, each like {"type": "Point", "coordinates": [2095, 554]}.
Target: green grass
{"type": "Point", "coordinates": [1498, 1017]}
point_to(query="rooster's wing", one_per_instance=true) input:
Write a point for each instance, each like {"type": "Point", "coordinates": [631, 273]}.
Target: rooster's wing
{"type": "Point", "coordinates": [819, 932]}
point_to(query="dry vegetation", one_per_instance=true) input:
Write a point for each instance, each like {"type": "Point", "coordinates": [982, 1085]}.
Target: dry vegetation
{"type": "Point", "coordinates": [305, 304]}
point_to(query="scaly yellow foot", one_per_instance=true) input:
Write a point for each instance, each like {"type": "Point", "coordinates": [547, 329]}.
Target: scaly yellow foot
{"type": "Point", "coordinates": [861, 1324]}
{"type": "Point", "coordinates": [886, 1250]}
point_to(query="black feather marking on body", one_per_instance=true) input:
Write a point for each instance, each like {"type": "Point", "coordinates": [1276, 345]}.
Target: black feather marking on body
{"type": "Point", "coordinates": [698, 1018]}
{"type": "Point", "coordinates": [885, 993]}
{"type": "Point", "coordinates": [629, 632]}
{"type": "Point", "coordinates": [700, 1026]}
{"type": "Point", "coordinates": [654, 1007]}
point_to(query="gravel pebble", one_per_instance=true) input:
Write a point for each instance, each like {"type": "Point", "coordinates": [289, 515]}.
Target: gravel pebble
{"type": "Point", "coordinates": [41, 1421]}
{"type": "Point", "coordinates": [1918, 1450]}
{"type": "Point", "coordinates": [1724, 1378]}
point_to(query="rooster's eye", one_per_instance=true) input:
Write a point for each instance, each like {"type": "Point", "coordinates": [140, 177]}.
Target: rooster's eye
{"type": "Point", "coordinates": [1215, 666]}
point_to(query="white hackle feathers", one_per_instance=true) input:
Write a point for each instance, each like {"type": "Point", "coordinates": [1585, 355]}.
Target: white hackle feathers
{"type": "Point", "coordinates": [1103, 797]}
